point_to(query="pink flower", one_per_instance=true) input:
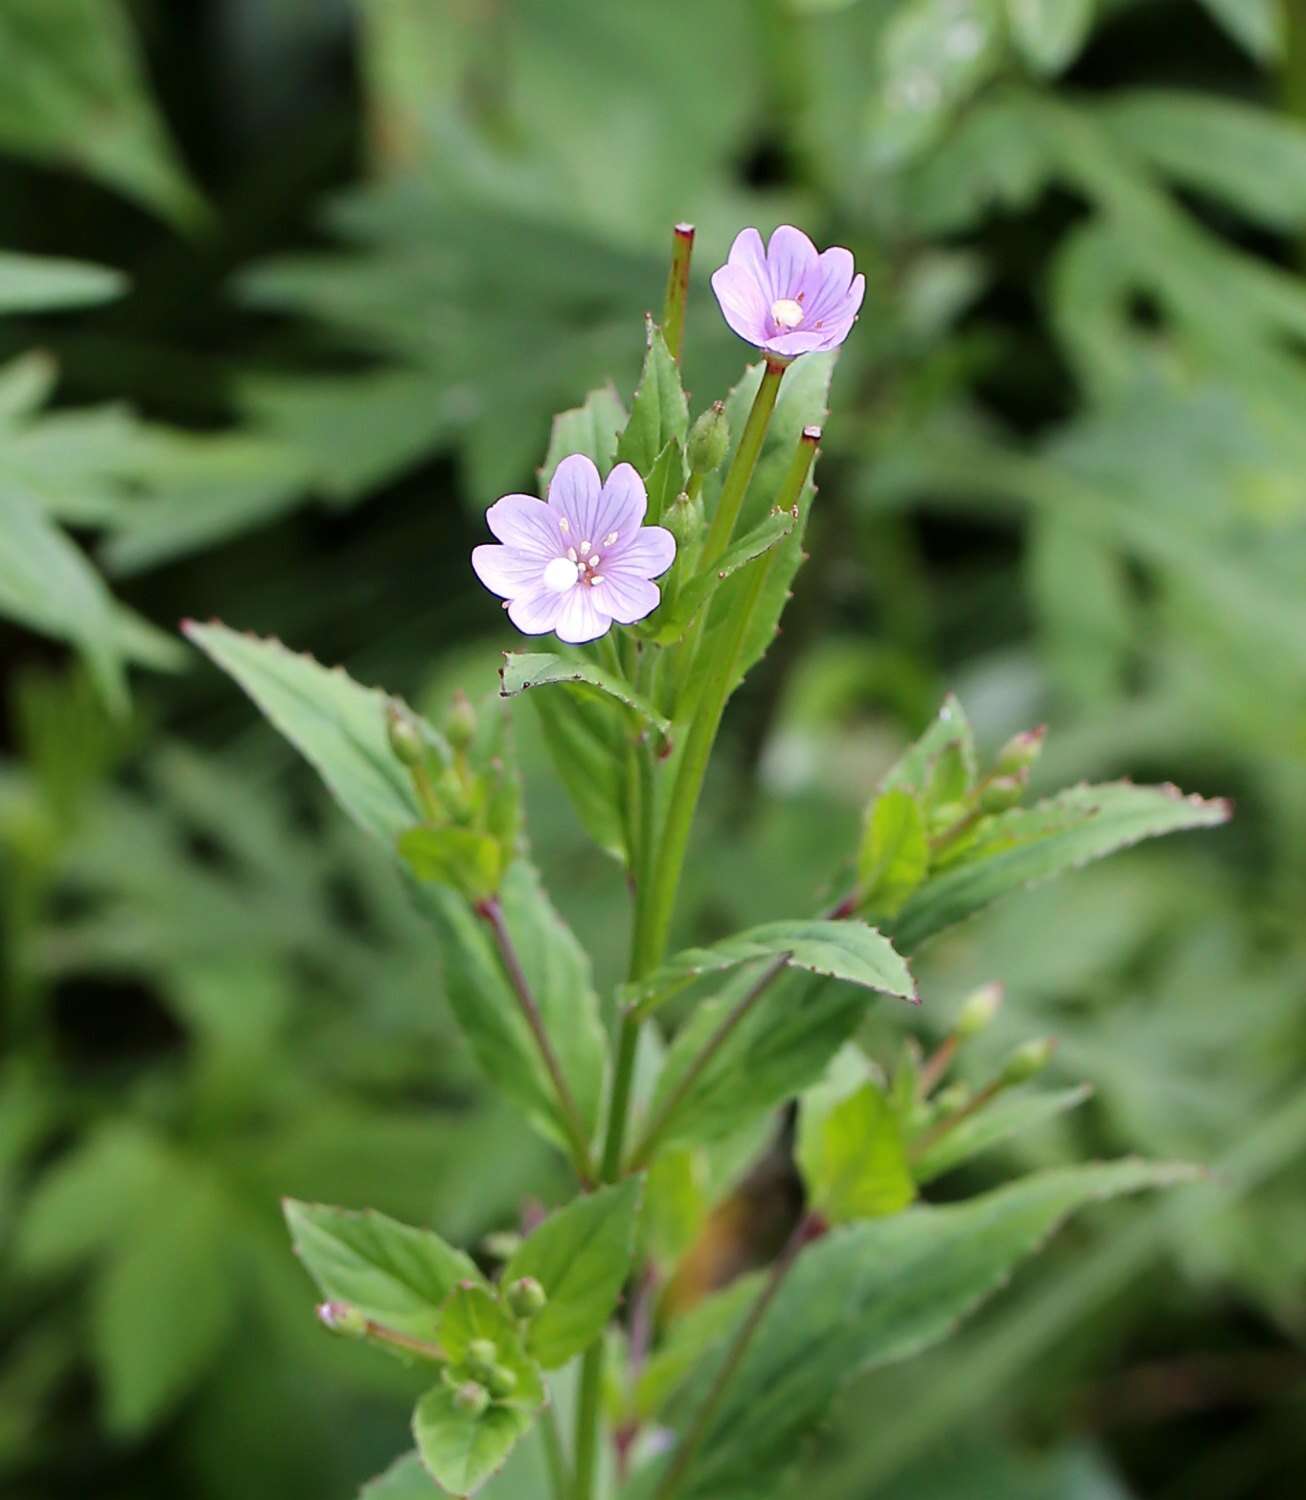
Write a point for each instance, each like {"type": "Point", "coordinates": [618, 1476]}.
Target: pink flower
{"type": "Point", "coordinates": [786, 299]}
{"type": "Point", "coordinates": [581, 561]}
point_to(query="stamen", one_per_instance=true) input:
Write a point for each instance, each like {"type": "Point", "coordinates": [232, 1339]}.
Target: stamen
{"type": "Point", "coordinates": [571, 553]}
{"type": "Point", "coordinates": [564, 525]}
{"type": "Point", "coordinates": [594, 578]}
{"type": "Point", "coordinates": [610, 539]}
{"type": "Point", "coordinates": [584, 549]}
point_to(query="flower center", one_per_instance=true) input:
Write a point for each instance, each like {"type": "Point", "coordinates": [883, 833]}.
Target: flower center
{"type": "Point", "coordinates": [786, 312]}
{"type": "Point", "coordinates": [560, 575]}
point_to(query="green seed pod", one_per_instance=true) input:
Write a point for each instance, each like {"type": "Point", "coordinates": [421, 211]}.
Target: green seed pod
{"type": "Point", "coordinates": [526, 1297]}
{"type": "Point", "coordinates": [471, 1399]}
{"type": "Point", "coordinates": [709, 440]}
{"type": "Point", "coordinates": [501, 1381]}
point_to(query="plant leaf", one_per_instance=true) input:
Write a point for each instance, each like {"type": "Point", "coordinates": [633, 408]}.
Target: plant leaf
{"type": "Point", "coordinates": [851, 1153]}
{"type": "Point", "coordinates": [36, 283]}
{"type": "Point", "coordinates": [1026, 846]}
{"type": "Point", "coordinates": [405, 1479]}
{"type": "Point", "coordinates": [875, 1293]}
{"type": "Point", "coordinates": [848, 950]}
{"type": "Point", "coordinates": [895, 852]}
{"type": "Point", "coordinates": [673, 622]}
{"type": "Point", "coordinates": [393, 1273]}
{"type": "Point", "coordinates": [590, 429]}
{"type": "Point", "coordinates": [1050, 33]}
{"type": "Point", "coordinates": [460, 1450]}
{"type": "Point", "coordinates": [1011, 1115]}
{"type": "Point", "coordinates": [659, 413]}
{"type": "Point", "coordinates": [523, 670]}
{"type": "Point", "coordinates": [581, 1255]}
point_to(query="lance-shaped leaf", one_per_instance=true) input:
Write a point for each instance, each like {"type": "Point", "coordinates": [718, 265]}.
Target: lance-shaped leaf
{"type": "Point", "coordinates": [1007, 1117]}
{"type": "Point", "coordinates": [591, 429]}
{"type": "Point", "coordinates": [851, 1153]}
{"type": "Point", "coordinates": [895, 853]}
{"type": "Point", "coordinates": [557, 971]}
{"type": "Point", "coordinates": [672, 622]}
{"type": "Point", "coordinates": [1026, 846]}
{"type": "Point", "coordinates": [47, 585]}
{"type": "Point", "coordinates": [586, 752]}
{"type": "Point", "coordinates": [524, 670]}
{"type": "Point", "coordinates": [916, 769]}
{"type": "Point", "coordinates": [847, 950]}
{"type": "Point", "coordinates": [871, 1294]}
{"type": "Point", "coordinates": [1050, 33]}
{"type": "Point", "coordinates": [665, 481]}
{"type": "Point", "coordinates": [659, 412]}
{"type": "Point", "coordinates": [338, 726]}
{"type": "Point", "coordinates": [393, 1273]}
{"type": "Point", "coordinates": [581, 1256]}
{"type": "Point", "coordinates": [36, 283]}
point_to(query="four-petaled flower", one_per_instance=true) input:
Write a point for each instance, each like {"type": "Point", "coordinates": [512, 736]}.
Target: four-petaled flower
{"type": "Point", "coordinates": [785, 298]}
{"type": "Point", "coordinates": [579, 562]}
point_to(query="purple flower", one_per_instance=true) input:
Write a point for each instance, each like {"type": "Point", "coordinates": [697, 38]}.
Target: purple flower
{"type": "Point", "coordinates": [580, 562]}
{"type": "Point", "coordinates": [785, 298]}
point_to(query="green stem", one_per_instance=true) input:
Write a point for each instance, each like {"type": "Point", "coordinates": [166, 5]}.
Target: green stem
{"type": "Point", "coordinates": [657, 1127]}
{"type": "Point", "coordinates": [716, 683]}
{"type": "Point", "coordinates": [492, 913]}
{"type": "Point", "coordinates": [554, 1457]}
{"type": "Point", "coordinates": [673, 312]}
{"type": "Point", "coordinates": [806, 1229]}
{"type": "Point", "coordinates": [741, 468]}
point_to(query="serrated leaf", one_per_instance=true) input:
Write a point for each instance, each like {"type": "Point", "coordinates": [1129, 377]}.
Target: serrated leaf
{"type": "Point", "coordinates": [558, 972]}
{"type": "Point", "coordinates": [847, 950]}
{"type": "Point", "coordinates": [1026, 846]}
{"type": "Point", "coordinates": [659, 413]}
{"type": "Point", "coordinates": [665, 482]}
{"type": "Point", "coordinates": [393, 1273]}
{"type": "Point", "coordinates": [875, 1293]}
{"type": "Point", "coordinates": [779, 1046]}
{"type": "Point", "coordinates": [337, 725]}
{"type": "Point", "coordinates": [1050, 33]}
{"type": "Point", "coordinates": [672, 622]}
{"type": "Point", "coordinates": [48, 585]}
{"type": "Point", "coordinates": [851, 1153]}
{"type": "Point", "coordinates": [35, 283]}
{"type": "Point", "coordinates": [460, 1450]}
{"type": "Point", "coordinates": [1007, 1117]}
{"type": "Point", "coordinates": [581, 1255]}
{"type": "Point", "coordinates": [523, 670]}
{"type": "Point", "coordinates": [471, 862]}
{"type": "Point", "coordinates": [895, 853]}
{"type": "Point", "coordinates": [591, 429]}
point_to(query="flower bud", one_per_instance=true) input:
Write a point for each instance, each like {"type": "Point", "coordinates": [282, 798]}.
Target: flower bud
{"type": "Point", "coordinates": [501, 1381]}
{"type": "Point", "coordinates": [460, 727]}
{"type": "Point", "coordinates": [501, 1244]}
{"type": "Point", "coordinates": [481, 1355]}
{"type": "Point", "coordinates": [1021, 751]}
{"type": "Point", "coordinates": [977, 1011]}
{"type": "Point", "coordinates": [947, 815]}
{"type": "Point", "coordinates": [1003, 792]}
{"type": "Point", "coordinates": [1026, 1060]}
{"type": "Point", "coordinates": [526, 1297]}
{"type": "Point", "coordinates": [471, 1399]}
{"type": "Point", "coordinates": [343, 1318]}
{"type": "Point", "coordinates": [684, 519]}
{"type": "Point", "coordinates": [407, 744]}
{"type": "Point", "coordinates": [709, 439]}
{"type": "Point", "coordinates": [955, 1097]}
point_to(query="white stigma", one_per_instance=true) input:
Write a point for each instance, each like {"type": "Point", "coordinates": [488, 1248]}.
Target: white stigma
{"type": "Point", "coordinates": [786, 312]}
{"type": "Point", "coordinates": [560, 575]}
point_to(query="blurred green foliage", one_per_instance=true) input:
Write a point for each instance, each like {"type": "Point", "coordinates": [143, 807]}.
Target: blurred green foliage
{"type": "Point", "coordinates": [290, 292]}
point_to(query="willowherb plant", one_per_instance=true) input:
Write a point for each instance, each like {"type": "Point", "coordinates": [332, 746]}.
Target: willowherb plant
{"type": "Point", "coordinates": [685, 538]}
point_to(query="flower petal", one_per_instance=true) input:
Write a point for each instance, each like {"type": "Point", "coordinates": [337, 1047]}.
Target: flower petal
{"type": "Point", "coordinates": [537, 613]}
{"type": "Point", "coordinates": [830, 283]}
{"type": "Point", "coordinates": [580, 620]}
{"type": "Point", "coordinates": [621, 508]}
{"type": "Point", "coordinates": [574, 494]}
{"type": "Point", "coordinates": [508, 571]}
{"type": "Point", "coordinates": [789, 258]}
{"type": "Point", "coordinates": [743, 302]}
{"type": "Point", "coordinates": [524, 522]}
{"type": "Point", "coordinates": [650, 552]}
{"type": "Point", "coordinates": [748, 255]}
{"type": "Point", "coordinates": [627, 596]}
